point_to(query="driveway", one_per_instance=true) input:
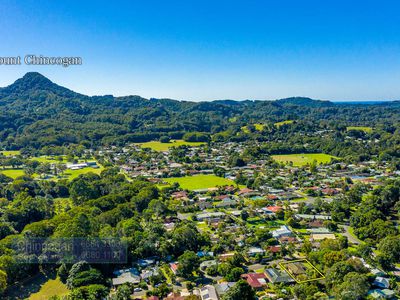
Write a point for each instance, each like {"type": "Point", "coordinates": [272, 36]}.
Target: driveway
{"type": "Point", "coordinates": [352, 239]}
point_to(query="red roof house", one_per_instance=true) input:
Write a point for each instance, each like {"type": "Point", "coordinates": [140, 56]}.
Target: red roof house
{"type": "Point", "coordinates": [255, 280]}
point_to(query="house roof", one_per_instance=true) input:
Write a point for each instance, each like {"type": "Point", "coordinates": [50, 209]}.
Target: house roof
{"type": "Point", "coordinates": [274, 209]}
{"type": "Point", "coordinates": [208, 292]}
{"type": "Point", "coordinates": [277, 276]}
{"type": "Point", "coordinates": [283, 230]}
{"type": "Point", "coordinates": [255, 280]}
{"type": "Point", "coordinates": [245, 191]}
{"type": "Point", "coordinates": [274, 249]}
{"type": "Point", "coordinates": [223, 287]}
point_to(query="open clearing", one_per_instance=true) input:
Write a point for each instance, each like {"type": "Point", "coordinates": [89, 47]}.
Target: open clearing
{"type": "Point", "coordinates": [68, 174]}
{"type": "Point", "coordinates": [53, 287]}
{"type": "Point", "coordinates": [279, 124]}
{"type": "Point", "coordinates": [10, 153]}
{"type": "Point", "coordinates": [13, 173]}
{"type": "Point", "coordinates": [257, 126]}
{"type": "Point", "coordinates": [71, 174]}
{"type": "Point", "coordinates": [198, 182]}
{"type": "Point", "coordinates": [304, 159]}
{"type": "Point", "coordinates": [360, 128]}
{"type": "Point", "coordinates": [51, 159]}
{"type": "Point", "coordinates": [158, 146]}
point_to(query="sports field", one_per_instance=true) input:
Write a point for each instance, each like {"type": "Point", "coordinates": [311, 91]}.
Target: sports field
{"type": "Point", "coordinates": [304, 159]}
{"type": "Point", "coordinates": [158, 146]}
{"type": "Point", "coordinates": [198, 182]}
{"type": "Point", "coordinates": [360, 128]}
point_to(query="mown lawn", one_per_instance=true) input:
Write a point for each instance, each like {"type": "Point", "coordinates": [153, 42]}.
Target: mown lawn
{"type": "Point", "coordinates": [50, 159]}
{"type": "Point", "coordinates": [198, 182]}
{"type": "Point", "coordinates": [71, 174]}
{"type": "Point", "coordinates": [62, 159]}
{"type": "Point", "coordinates": [203, 227]}
{"type": "Point", "coordinates": [360, 128]}
{"type": "Point", "coordinates": [13, 173]}
{"type": "Point", "coordinates": [53, 287]}
{"type": "Point", "coordinates": [158, 146]}
{"type": "Point", "coordinates": [304, 159]}
{"type": "Point", "coordinates": [256, 222]}
{"type": "Point", "coordinates": [279, 124]}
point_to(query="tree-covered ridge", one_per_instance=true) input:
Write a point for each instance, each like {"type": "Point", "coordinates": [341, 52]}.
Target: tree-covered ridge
{"type": "Point", "coordinates": [35, 112]}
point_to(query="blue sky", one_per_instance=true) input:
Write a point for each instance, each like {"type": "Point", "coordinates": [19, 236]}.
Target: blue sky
{"type": "Point", "coordinates": [204, 50]}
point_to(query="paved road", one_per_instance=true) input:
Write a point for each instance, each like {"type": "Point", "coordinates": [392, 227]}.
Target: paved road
{"type": "Point", "coordinates": [352, 239]}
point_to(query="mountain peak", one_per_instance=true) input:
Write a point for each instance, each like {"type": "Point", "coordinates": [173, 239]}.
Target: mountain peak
{"type": "Point", "coordinates": [34, 76]}
{"type": "Point", "coordinates": [34, 81]}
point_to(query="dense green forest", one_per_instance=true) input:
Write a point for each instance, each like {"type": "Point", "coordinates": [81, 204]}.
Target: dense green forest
{"type": "Point", "coordinates": [36, 112]}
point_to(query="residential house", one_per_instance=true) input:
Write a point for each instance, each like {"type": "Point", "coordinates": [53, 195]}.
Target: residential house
{"type": "Point", "coordinates": [255, 280]}
{"type": "Point", "coordinates": [126, 276]}
{"type": "Point", "coordinates": [282, 231]}
{"type": "Point", "coordinates": [381, 282]}
{"type": "Point", "coordinates": [173, 267]}
{"type": "Point", "coordinates": [208, 292]}
{"type": "Point", "coordinates": [295, 268]}
{"type": "Point", "coordinates": [208, 263]}
{"type": "Point", "coordinates": [223, 287]}
{"type": "Point", "coordinates": [214, 216]}
{"type": "Point", "coordinates": [382, 294]}
{"type": "Point", "coordinates": [253, 251]}
{"type": "Point", "coordinates": [277, 276]}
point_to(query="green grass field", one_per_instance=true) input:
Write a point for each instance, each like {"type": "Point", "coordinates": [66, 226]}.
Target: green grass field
{"type": "Point", "coordinates": [304, 159]}
{"type": "Point", "coordinates": [50, 159]}
{"type": "Point", "coordinates": [158, 146]}
{"type": "Point", "coordinates": [360, 128]}
{"type": "Point", "coordinates": [13, 173]}
{"type": "Point", "coordinates": [10, 153]}
{"type": "Point", "coordinates": [279, 124]}
{"type": "Point", "coordinates": [71, 174]}
{"type": "Point", "coordinates": [53, 287]}
{"type": "Point", "coordinates": [257, 126]}
{"type": "Point", "coordinates": [200, 181]}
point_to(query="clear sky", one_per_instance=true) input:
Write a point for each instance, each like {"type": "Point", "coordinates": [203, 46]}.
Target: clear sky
{"type": "Point", "coordinates": [211, 49]}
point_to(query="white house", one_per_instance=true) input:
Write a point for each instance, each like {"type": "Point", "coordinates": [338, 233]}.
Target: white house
{"type": "Point", "coordinates": [282, 231]}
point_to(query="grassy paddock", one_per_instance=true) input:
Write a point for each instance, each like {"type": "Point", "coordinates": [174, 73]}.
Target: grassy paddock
{"type": "Point", "coordinates": [279, 124]}
{"type": "Point", "coordinates": [360, 128]}
{"type": "Point", "coordinates": [51, 159]}
{"type": "Point", "coordinates": [13, 173]}
{"type": "Point", "coordinates": [257, 126]}
{"type": "Point", "coordinates": [158, 146]}
{"type": "Point", "coordinates": [304, 159]}
{"type": "Point", "coordinates": [198, 182]}
{"type": "Point", "coordinates": [53, 287]}
{"type": "Point", "coordinates": [10, 153]}
{"type": "Point", "coordinates": [71, 174]}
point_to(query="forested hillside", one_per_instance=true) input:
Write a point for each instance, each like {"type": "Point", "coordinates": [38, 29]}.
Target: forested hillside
{"type": "Point", "coordinates": [36, 112]}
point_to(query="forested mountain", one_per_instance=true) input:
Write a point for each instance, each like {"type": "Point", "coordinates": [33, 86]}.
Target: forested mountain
{"type": "Point", "coordinates": [36, 112]}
